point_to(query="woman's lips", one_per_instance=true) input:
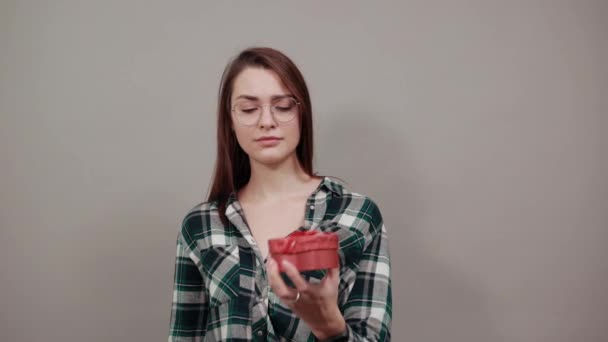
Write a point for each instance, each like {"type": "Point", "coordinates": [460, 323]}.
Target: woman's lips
{"type": "Point", "coordinates": [269, 138]}
{"type": "Point", "coordinates": [269, 141]}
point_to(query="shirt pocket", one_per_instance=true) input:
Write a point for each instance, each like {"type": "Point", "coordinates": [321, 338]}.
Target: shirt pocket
{"type": "Point", "coordinates": [351, 243]}
{"type": "Point", "coordinates": [221, 268]}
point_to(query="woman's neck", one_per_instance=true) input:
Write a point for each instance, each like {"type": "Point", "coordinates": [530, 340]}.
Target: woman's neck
{"type": "Point", "coordinates": [277, 182]}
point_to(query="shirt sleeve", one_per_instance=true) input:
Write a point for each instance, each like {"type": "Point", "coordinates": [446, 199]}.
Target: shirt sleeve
{"type": "Point", "coordinates": [189, 306]}
{"type": "Point", "coordinates": [368, 309]}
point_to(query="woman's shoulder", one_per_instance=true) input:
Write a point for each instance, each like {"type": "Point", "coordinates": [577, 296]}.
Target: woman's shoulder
{"type": "Point", "coordinates": [358, 219]}
{"type": "Point", "coordinates": [359, 206]}
{"type": "Point", "coordinates": [201, 221]}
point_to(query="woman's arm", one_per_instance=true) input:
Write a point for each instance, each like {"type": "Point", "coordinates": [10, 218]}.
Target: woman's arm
{"type": "Point", "coordinates": [188, 311]}
{"type": "Point", "coordinates": [368, 309]}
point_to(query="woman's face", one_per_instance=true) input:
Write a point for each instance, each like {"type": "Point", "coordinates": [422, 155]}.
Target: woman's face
{"type": "Point", "coordinates": [257, 86]}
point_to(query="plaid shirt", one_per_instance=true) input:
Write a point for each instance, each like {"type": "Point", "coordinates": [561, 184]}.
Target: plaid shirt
{"type": "Point", "coordinates": [221, 291]}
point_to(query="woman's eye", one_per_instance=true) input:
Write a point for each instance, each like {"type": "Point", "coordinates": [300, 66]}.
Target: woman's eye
{"type": "Point", "coordinates": [284, 107]}
{"type": "Point", "coordinates": [249, 110]}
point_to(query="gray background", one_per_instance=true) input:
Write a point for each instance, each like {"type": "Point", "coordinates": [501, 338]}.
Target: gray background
{"type": "Point", "coordinates": [477, 126]}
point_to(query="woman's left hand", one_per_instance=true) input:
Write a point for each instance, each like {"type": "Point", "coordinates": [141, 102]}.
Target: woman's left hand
{"type": "Point", "coordinates": [318, 303]}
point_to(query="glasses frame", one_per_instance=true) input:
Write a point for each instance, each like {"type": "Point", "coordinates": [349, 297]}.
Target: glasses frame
{"type": "Point", "coordinates": [233, 110]}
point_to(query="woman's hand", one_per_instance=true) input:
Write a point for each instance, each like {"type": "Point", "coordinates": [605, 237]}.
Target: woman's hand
{"type": "Point", "coordinates": [318, 303]}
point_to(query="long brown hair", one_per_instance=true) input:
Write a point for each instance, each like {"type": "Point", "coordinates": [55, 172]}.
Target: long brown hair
{"type": "Point", "coordinates": [232, 168]}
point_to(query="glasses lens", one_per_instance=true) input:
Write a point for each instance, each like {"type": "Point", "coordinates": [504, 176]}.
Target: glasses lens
{"type": "Point", "coordinates": [285, 109]}
{"type": "Point", "coordinates": [247, 113]}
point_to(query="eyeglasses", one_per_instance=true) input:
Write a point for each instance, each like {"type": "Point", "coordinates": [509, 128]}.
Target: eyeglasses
{"type": "Point", "coordinates": [283, 110]}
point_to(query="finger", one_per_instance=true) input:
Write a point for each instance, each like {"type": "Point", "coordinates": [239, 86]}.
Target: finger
{"type": "Point", "coordinates": [295, 276]}
{"type": "Point", "coordinates": [272, 272]}
{"type": "Point", "coordinates": [276, 282]}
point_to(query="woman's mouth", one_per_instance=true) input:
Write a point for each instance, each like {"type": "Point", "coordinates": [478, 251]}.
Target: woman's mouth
{"type": "Point", "coordinates": [269, 141]}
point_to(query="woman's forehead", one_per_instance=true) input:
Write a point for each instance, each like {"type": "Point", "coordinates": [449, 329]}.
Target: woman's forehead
{"type": "Point", "coordinates": [259, 83]}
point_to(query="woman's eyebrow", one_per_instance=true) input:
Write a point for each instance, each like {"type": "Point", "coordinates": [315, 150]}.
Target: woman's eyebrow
{"type": "Point", "coordinates": [255, 98]}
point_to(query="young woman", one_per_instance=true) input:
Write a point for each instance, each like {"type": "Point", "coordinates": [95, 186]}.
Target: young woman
{"type": "Point", "coordinates": [226, 287]}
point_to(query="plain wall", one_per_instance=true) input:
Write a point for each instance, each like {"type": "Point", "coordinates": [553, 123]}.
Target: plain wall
{"type": "Point", "coordinates": [477, 126]}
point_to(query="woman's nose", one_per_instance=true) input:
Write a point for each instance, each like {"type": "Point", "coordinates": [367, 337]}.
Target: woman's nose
{"type": "Point", "coordinates": [266, 118]}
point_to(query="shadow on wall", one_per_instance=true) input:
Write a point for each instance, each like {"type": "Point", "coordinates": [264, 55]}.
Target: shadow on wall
{"type": "Point", "coordinates": [431, 302]}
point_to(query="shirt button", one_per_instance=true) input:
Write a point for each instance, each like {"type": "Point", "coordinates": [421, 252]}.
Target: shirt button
{"type": "Point", "coordinates": [260, 333]}
{"type": "Point", "coordinates": [312, 207]}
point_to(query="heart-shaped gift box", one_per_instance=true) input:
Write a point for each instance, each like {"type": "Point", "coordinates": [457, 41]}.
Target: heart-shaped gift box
{"type": "Point", "coordinates": [306, 250]}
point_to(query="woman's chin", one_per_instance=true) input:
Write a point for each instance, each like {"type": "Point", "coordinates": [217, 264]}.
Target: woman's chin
{"type": "Point", "coordinates": [270, 157]}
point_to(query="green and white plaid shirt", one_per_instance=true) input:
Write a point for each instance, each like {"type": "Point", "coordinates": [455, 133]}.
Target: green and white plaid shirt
{"type": "Point", "coordinates": [221, 291]}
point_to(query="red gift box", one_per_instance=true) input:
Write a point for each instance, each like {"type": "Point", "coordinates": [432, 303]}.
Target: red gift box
{"type": "Point", "coordinates": [307, 250]}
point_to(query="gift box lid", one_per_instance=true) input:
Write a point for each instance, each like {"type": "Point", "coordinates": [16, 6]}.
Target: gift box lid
{"type": "Point", "coordinates": [303, 241]}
